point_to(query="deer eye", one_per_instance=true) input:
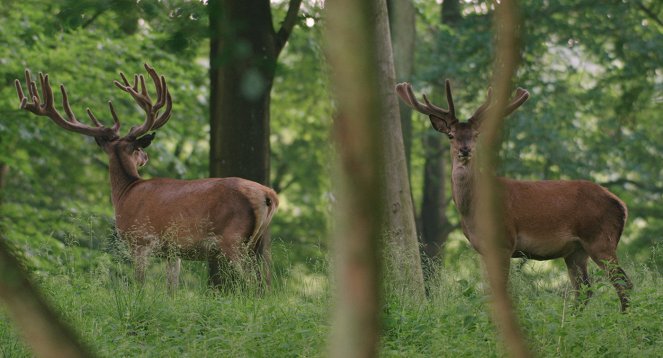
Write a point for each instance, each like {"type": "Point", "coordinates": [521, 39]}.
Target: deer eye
{"type": "Point", "coordinates": [451, 136]}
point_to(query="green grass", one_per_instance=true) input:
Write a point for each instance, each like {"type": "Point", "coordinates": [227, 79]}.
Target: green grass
{"type": "Point", "coordinates": [118, 318]}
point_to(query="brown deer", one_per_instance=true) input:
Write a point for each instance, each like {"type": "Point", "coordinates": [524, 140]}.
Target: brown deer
{"type": "Point", "coordinates": [543, 220]}
{"type": "Point", "coordinates": [215, 219]}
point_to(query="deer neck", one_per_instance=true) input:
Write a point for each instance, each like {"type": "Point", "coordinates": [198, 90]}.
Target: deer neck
{"type": "Point", "coordinates": [123, 174]}
{"type": "Point", "coordinates": [462, 185]}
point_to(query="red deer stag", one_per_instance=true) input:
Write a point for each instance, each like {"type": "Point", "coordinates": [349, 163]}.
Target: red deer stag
{"type": "Point", "coordinates": [544, 219]}
{"type": "Point", "coordinates": [214, 219]}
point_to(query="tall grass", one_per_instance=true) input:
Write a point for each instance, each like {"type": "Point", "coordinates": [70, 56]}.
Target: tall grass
{"type": "Point", "coordinates": [119, 318]}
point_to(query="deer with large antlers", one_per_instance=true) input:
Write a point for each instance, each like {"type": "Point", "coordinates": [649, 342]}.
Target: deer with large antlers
{"type": "Point", "coordinates": [218, 219]}
{"type": "Point", "coordinates": [543, 220]}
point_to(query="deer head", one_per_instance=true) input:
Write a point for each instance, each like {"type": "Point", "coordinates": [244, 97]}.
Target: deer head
{"type": "Point", "coordinates": [463, 135]}
{"type": "Point", "coordinates": [127, 148]}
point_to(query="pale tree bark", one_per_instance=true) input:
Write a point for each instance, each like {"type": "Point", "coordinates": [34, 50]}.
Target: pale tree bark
{"type": "Point", "coordinates": [402, 259]}
{"type": "Point", "coordinates": [435, 226]}
{"type": "Point", "coordinates": [37, 322]}
{"type": "Point", "coordinates": [350, 42]}
{"type": "Point", "coordinates": [403, 36]}
{"type": "Point", "coordinates": [496, 256]}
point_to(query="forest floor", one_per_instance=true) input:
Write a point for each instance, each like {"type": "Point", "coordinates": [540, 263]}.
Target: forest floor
{"type": "Point", "coordinates": [120, 319]}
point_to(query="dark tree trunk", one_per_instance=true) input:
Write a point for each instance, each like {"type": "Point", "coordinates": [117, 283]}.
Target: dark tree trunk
{"type": "Point", "coordinates": [4, 170]}
{"type": "Point", "coordinates": [244, 48]}
{"type": "Point", "coordinates": [434, 222]}
{"type": "Point", "coordinates": [435, 226]}
{"type": "Point", "coordinates": [243, 57]}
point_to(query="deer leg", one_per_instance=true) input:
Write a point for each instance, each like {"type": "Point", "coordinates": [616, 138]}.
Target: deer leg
{"type": "Point", "coordinates": [140, 257]}
{"type": "Point", "coordinates": [263, 264]}
{"type": "Point", "coordinates": [576, 263]}
{"type": "Point", "coordinates": [608, 262]}
{"type": "Point", "coordinates": [222, 271]}
{"type": "Point", "coordinates": [173, 266]}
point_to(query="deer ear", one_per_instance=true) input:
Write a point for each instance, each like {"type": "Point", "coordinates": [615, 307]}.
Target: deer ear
{"type": "Point", "coordinates": [439, 124]}
{"type": "Point", "coordinates": [145, 141]}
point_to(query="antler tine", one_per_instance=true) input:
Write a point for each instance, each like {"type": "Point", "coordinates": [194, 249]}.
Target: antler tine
{"type": "Point", "coordinates": [163, 97]}
{"type": "Point", "coordinates": [404, 90]}
{"type": "Point", "coordinates": [152, 118]}
{"type": "Point", "coordinates": [450, 101]}
{"type": "Point", "coordinates": [47, 108]}
{"type": "Point", "coordinates": [521, 96]}
{"type": "Point", "coordinates": [165, 116]}
{"type": "Point", "coordinates": [485, 104]}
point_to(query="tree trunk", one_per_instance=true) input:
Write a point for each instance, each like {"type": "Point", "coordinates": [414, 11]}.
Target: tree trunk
{"type": "Point", "coordinates": [4, 170]}
{"type": "Point", "coordinates": [37, 322]}
{"type": "Point", "coordinates": [351, 53]}
{"type": "Point", "coordinates": [487, 189]}
{"type": "Point", "coordinates": [435, 226]}
{"type": "Point", "coordinates": [243, 57]}
{"type": "Point", "coordinates": [244, 48]}
{"type": "Point", "coordinates": [403, 262]}
{"type": "Point", "coordinates": [403, 36]}
{"type": "Point", "coordinates": [434, 222]}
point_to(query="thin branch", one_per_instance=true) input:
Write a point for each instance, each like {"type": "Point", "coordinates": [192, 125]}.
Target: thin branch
{"type": "Point", "coordinates": [649, 12]}
{"type": "Point", "coordinates": [94, 17]}
{"type": "Point", "coordinates": [288, 24]}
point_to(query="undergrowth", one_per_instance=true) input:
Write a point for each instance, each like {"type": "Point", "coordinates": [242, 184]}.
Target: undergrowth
{"type": "Point", "coordinates": [118, 318]}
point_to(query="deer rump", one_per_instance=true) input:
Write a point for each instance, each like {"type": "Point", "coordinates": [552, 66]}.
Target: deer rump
{"type": "Point", "coordinates": [196, 219]}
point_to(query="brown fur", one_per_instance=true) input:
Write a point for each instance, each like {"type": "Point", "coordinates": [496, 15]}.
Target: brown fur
{"type": "Point", "coordinates": [195, 219]}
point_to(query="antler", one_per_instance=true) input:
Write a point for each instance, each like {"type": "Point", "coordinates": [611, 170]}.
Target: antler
{"type": "Point", "coordinates": [404, 91]}
{"type": "Point", "coordinates": [521, 96]}
{"type": "Point", "coordinates": [153, 120]}
{"type": "Point", "coordinates": [48, 109]}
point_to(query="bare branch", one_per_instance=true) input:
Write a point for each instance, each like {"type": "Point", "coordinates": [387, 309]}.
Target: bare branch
{"type": "Point", "coordinates": [288, 24]}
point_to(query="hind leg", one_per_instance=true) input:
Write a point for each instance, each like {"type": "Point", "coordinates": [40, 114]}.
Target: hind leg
{"type": "Point", "coordinates": [140, 260]}
{"type": "Point", "coordinates": [173, 266]}
{"type": "Point", "coordinates": [263, 262]}
{"type": "Point", "coordinates": [223, 265]}
{"type": "Point", "coordinates": [609, 263]}
{"type": "Point", "coordinates": [576, 263]}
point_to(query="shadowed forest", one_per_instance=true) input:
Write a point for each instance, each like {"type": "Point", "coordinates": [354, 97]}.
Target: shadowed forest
{"type": "Point", "coordinates": [258, 92]}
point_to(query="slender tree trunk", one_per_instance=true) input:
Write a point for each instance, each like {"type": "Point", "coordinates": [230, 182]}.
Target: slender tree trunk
{"type": "Point", "coordinates": [351, 53]}
{"type": "Point", "coordinates": [403, 36]}
{"type": "Point", "coordinates": [37, 322]}
{"type": "Point", "coordinates": [495, 256]}
{"type": "Point", "coordinates": [402, 258]}
{"type": "Point", "coordinates": [4, 170]}
{"type": "Point", "coordinates": [434, 222]}
{"type": "Point", "coordinates": [435, 226]}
